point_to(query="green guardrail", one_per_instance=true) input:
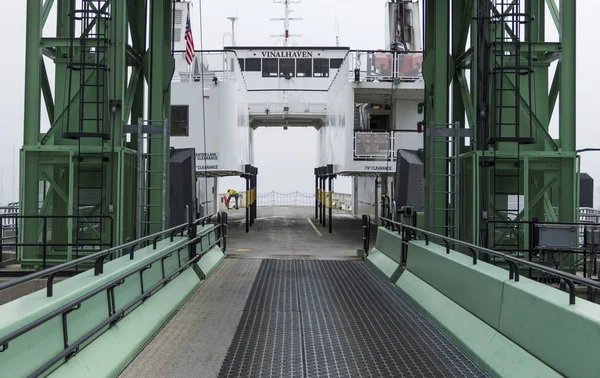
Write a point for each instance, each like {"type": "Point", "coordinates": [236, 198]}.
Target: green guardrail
{"type": "Point", "coordinates": [95, 322]}
{"type": "Point", "coordinates": [510, 324]}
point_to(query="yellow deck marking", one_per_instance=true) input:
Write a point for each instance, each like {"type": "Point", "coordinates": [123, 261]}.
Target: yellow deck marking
{"type": "Point", "coordinates": [243, 249]}
{"type": "Point", "coordinates": [313, 226]}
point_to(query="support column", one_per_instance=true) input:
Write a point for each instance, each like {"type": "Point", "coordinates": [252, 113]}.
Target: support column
{"type": "Point", "coordinates": [160, 71]}
{"type": "Point", "coordinates": [437, 77]}
{"type": "Point", "coordinates": [567, 121]}
{"type": "Point", "coordinates": [29, 188]}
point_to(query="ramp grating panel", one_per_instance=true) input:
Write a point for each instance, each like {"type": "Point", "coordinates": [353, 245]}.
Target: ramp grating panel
{"type": "Point", "coordinates": [319, 318]}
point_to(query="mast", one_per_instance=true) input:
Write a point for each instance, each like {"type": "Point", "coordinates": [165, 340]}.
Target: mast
{"type": "Point", "coordinates": [286, 20]}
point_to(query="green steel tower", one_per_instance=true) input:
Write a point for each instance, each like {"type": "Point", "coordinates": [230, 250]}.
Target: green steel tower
{"type": "Point", "coordinates": [488, 68]}
{"type": "Point", "coordinates": [78, 191]}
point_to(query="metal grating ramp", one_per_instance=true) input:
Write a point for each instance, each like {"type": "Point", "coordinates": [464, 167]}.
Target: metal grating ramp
{"type": "Point", "coordinates": [319, 318]}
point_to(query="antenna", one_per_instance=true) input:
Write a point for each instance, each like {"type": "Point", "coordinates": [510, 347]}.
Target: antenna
{"type": "Point", "coordinates": [286, 20]}
{"type": "Point", "coordinates": [337, 32]}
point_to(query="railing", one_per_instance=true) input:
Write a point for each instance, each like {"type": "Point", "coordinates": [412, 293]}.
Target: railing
{"type": "Point", "coordinates": [114, 315]}
{"type": "Point", "coordinates": [409, 233]}
{"type": "Point", "coordinates": [374, 145]}
{"type": "Point", "coordinates": [294, 199]}
{"type": "Point", "coordinates": [519, 238]}
{"type": "Point", "coordinates": [370, 66]}
{"type": "Point", "coordinates": [219, 65]}
{"type": "Point", "coordinates": [48, 233]}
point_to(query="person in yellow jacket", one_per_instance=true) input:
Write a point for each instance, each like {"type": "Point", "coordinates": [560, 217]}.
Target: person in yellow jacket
{"type": "Point", "coordinates": [234, 194]}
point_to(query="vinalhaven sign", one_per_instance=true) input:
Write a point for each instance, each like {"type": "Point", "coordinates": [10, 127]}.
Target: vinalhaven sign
{"type": "Point", "coordinates": [287, 54]}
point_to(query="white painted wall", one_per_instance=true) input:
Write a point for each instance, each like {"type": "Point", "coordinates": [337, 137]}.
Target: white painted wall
{"type": "Point", "coordinates": [226, 128]}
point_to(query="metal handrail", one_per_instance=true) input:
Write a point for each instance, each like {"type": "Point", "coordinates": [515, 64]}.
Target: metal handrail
{"type": "Point", "coordinates": [237, 59]}
{"type": "Point", "coordinates": [99, 256]}
{"type": "Point", "coordinates": [513, 262]}
{"type": "Point", "coordinates": [114, 316]}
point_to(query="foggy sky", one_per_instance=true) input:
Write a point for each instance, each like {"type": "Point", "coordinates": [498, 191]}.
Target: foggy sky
{"type": "Point", "coordinates": [361, 27]}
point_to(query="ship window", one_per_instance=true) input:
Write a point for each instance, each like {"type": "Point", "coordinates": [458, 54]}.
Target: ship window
{"type": "Point", "coordinates": [269, 67]}
{"type": "Point", "coordinates": [252, 64]}
{"type": "Point", "coordinates": [304, 67]}
{"type": "Point", "coordinates": [287, 67]}
{"type": "Point", "coordinates": [241, 61]}
{"type": "Point", "coordinates": [178, 16]}
{"type": "Point", "coordinates": [335, 64]}
{"type": "Point", "coordinates": [180, 120]}
{"type": "Point", "coordinates": [176, 34]}
{"type": "Point", "coordinates": [321, 67]}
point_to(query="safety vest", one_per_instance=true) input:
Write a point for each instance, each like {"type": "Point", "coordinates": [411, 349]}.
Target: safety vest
{"type": "Point", "coordinates": [232, 192]}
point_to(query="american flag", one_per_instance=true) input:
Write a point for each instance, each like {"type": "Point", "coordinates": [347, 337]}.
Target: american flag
{"type": "Point", "coordinates": [189, 41]}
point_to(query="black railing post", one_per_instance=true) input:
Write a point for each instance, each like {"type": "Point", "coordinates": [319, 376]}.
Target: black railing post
{"type": "Point", "coordinates": [192, 233]}
{"type": "Point", "coordinates": [255, 193]}
{"type": "Point", "coordinates": [323, 197]}
{"type": "Point", "coordinates": [317, 194]}
{"type": "Point", "coordinates": [2, 240]}
{"type": "Point", "coordinates": [366, 231]}
{"type": "Point", "coordinates": [224, 231]}
{"type": "Point", "coordinates": [45, 242]}
{"type": "Point", "coordinates": [330, 202]}
{"type": "Point", "coordinates": [248, 196]}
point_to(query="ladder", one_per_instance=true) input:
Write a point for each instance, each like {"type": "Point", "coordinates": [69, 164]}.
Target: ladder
{"type": "Point", "coordinates": [511, 62]}
{"type": "Point", "coordinates": [445, 182]}
{"type": "Point", "coordinates": [511, 69]}
{"type": "Point", "coordinates": [148, 175]}
{"type": "Point", "coordinates": [89, 61]}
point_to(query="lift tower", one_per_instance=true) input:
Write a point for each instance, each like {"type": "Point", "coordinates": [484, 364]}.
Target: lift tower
{"type": "Point", "coordinates": [490, 67]}
{"type": "Point", "coordinates": [77, 167]}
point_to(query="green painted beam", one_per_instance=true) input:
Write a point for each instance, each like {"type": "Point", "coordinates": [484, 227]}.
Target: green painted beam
{"type": "Point", "coordinates": [554, 13]}
{"type": "Point", "coordinates": [160, 73]}
{"type": "Point", "coordinates": [465, 59]}
{"type": "Point", "coordinates": [466, 98]}
{"type": "Point", "coordinates": [130, 94]}
{"type": "Point", "coordinates": [568, 111]}
{"type": "Point", "coordinates": [47, 92]}
{"type": "Point", "coordinates": [554, 90]}
{"type": "Point", "coordinates": [46, 11]}
{"type": "Point", "coordinates": [66, 42]}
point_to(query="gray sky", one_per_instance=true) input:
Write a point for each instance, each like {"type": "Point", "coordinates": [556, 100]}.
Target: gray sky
{"type": "Point", "coordinates": [361, 26]}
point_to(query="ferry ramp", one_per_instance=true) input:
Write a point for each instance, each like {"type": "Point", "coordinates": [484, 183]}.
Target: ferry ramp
{"type": "Point", "coordinates": [289, 299]}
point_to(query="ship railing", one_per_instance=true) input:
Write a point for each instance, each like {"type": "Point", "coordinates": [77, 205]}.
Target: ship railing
{"type": "Point", "coordinates": [409, 233]}
{"type": "Point", "coordinates": [386, 66]}
{"type": "Point", "coordinates": [212, 65]}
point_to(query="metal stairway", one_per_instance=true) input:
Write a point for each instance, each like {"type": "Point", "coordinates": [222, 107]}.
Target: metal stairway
{"type": "Point", "coordinates": [88, 64]}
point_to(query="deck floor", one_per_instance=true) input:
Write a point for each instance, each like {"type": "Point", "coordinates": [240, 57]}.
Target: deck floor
{"type": "Point", "coordinates": [288, 302]}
